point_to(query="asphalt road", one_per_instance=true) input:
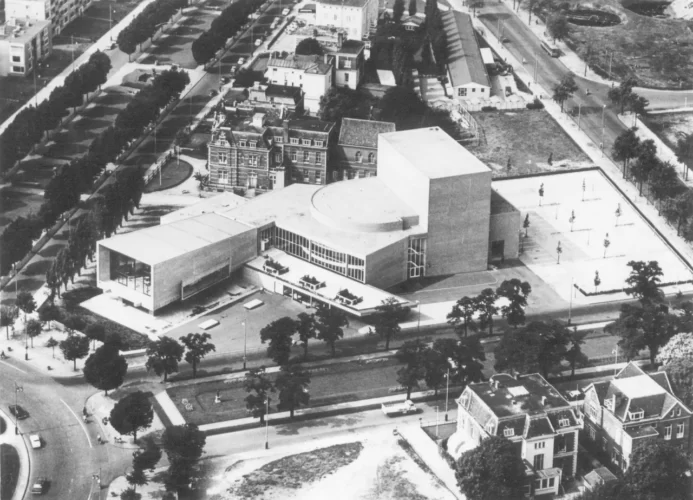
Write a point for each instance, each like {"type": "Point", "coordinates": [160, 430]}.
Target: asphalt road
{"type": "Point", "coordinates": [593, 108]}
{"type": "Point", "coordinates": [70, 453]}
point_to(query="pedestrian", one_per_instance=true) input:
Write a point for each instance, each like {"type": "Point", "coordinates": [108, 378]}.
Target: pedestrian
{"type": "Point", "coordinates": [98, 438]}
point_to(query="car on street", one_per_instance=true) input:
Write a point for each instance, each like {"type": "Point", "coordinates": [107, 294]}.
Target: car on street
{"type": "Point", "coordinates": [258, 42]}
{"type": "Point", "coordinates": [213, 93]}
{"type": "Point", "coordinates": [18, 412]}
{"type": "Point", "coordinates": [35, 441]}
{"type": "Point", "coordinates": [285, 12]}
{"type": "Point", "coordinates": [241, 60]}
{"type": "Point", "coordinates": [40, 486]}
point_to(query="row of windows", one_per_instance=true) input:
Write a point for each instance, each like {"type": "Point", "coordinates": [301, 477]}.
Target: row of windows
{"type": "Point", "coordinates": [541, 484]}
{"type": "Point", "coordinates": [347, 174]}
{"type": "Point", "coordinates": [462, 92]}
{"type": "Point", "coordinates": [680, 431]}
{"type": "Point", "coordinates": [359, 157]}
{"type": "Point", "coordinates": [321, 255]}
{"type": "Point", "coordinates": [304, 176]}
{"type": "Point", "coordinates": [416, 264]}
{"type": "Point", "coordinates": [306, 157]}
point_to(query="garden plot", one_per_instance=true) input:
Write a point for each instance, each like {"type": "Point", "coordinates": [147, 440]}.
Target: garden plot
{"type": "Point", "coordinates": [376, 467]}
{"type": "Point", "coordinates": [604, 215]}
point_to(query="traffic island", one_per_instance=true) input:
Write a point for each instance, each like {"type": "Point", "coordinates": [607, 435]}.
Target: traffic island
{"type": "Point", "coordinates": [9, 471]}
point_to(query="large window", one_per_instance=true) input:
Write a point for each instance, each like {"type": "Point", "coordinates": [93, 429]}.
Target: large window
{"type": "Point", "coordinates": [316, 253]}
{"type": "Point", "coordinates": [131, 273]}
{"type": "Point", "coordinates": [196, 286]}
{"type": "Point", "coordinates": [416, 260]}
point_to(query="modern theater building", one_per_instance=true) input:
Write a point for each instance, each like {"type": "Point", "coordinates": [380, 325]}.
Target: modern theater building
{"type": "Point", "coordinates": [430, 211]}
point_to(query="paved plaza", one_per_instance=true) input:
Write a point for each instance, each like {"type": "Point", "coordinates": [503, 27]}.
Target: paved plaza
{"type": "Point", "coordinates": [603, 215]}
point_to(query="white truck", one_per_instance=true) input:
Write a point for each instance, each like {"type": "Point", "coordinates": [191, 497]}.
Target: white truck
{"type": "Point", "coordinates": [403, 408]}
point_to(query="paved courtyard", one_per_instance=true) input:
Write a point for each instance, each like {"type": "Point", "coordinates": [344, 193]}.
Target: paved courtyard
{"type": "Point", "coordinates": [603, 215]}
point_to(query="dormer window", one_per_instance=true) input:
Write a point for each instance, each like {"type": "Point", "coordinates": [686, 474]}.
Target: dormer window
{"type": "Point", "coordinates": [305, 142]}
{"type": "Point", "coordinates": [489, 427]}
{"type": "Point", "coordinates": [564, 422]}
{"type": "Point", "coordinates": [318, 144]}
{"type": "Point", "coordinates": [636, 415]}
{"type": "Point", "coordinates": [278, 139]}
{"type": "Point", "coordinates": [358, 156]}
{"type": "Point", "coordinates": [294, 140]}
{"type": "Point", "coordinates": [609, 404]}
{"type": "Point", "coordinates": [508, 432]}
{"type": "Point", "coordinates": [371, 158]}
{"type": "Point", "coordinates": [241, 144]}
{"type": "Point", "coordinates": [253, 144]}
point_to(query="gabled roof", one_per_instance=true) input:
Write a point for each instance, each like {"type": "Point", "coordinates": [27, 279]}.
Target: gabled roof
{"type": "Point", "coordinates": [465, 64]}
{"type": "Point", "coordinates": [600, 475]}
{"type": "Point", "coordinates": [363, 133]}
{"type": "Point", "coordinates": [663, 380]}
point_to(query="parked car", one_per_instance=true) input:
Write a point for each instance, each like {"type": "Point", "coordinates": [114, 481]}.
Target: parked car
{"type": "Point", "coordinates": [285, 12]}
{"type": "Point", "coordinates": [241, 60]}
{"type": "Point", "coordinates": [403, 408]}
{"type": "Point", "coordinates": [213, 93]}
{"type": "Point", "coordinates": [40, 486]}
{"type": "Point", "coordinates": [18, 412]}
{"type": "Point", "coordinates": [35, 441]}
{"type": "Point", "coordinates": [258, 42]}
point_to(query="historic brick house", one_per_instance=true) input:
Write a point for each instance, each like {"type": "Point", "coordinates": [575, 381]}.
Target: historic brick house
{"type": "Point", "coordinates": [357, 149]}
{"type": "Point", "coordinates": [631, 409]}
{"type": "Point", "coordinates": [533, 415]}
{"type": "Point", "coordinates": [262, 150]}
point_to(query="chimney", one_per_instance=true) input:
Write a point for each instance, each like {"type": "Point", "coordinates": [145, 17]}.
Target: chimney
{"type": "Point", "coordinates": [285, 124]}
{"type": "Point", "coordinates": [340, 40]}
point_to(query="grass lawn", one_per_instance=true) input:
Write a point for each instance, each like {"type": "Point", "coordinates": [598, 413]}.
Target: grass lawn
{"type": "Point", "coordinates": [175, 172]}
{"type": "Point", "coordinates": [637, 42]}
{"type": "Point", "coordinates": [3, 425]}
{"type": "Point", "coordinates": [9, 471]}
{"type": "Point", "coordinates": [344, 382]}
{"type": "Point", "coordinates": [94, 23]}
{"type": "Point", "coordinates": [670, 127]}
{"type": "Point", "coordinates": [527, 138]}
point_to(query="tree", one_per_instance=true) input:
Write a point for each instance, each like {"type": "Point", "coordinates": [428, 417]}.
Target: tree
{"type": "Point", "coordinates": [397, 10]}
{"type": "Point", "coordinates": [679, 209]}
{"type": "Point", "coordinates": [389, 314]}
{"type": "Point", "coordinates": [680, 346]}
{"type": "Point", "coordinates": [183, 442]}
{"type": "Point", "coordinates": [256, 381]}
{"type": "Point", "coordinates": [574, 355]}
{"type": "Point", "coordinates": [52, 343]}
{"type": "Point", "coordinates": [649, 326]}
{"type": "Point", "coordinates": [657, 470]}
{"type": "Point", "coordinates": [558, 27]}
{"type": "Point", "coordinates": [539, 346]}
{"type": "Point", "coordinates": [516, 292]}
{"type": "Point", "coordinates": [278, 333]}
{"type": "Point", "coordinates": [33, 329]}
{"type": "Point", "coordinates": [204, 48]}
{"type": "Point", "coordinates": [148, 458]}
{"type": "Point", "coordinates": [399, 105]}
{"type": "Point", "coordinates": [308, 47]}
{"type": "Point", "coordinates": [49, 312]}
{"type": "Point", "coordinates": [462, 316]}
{"type": "Point", "coordinates": [412, 354]}
{"type": "Point", "coordinates": [412, 7]}
{"type": "Point", "coordinates": [7, 317]}
{"type": "Point", "coordinates": [464, 358]}
{"type": "Point", "coordinates": [670, 61]}
{"type": "Point", "coordinates": [486, 307]}
{"type": "Point", "coordinates": [643, 281]}
{"type": "Point", "coordinates": [491, 471]}
{"type": "Point", "coordinates": [136, 477]}
{"type": "Point", "coordinates": [626, 147]}
{"type": "Point", "coordinates": [197, 347]}
{"type": "Point", "coordinates": [330, 324]}
{"type": "Point", "coordinates": [588, 53]}
{"type": "Point", "coordinates": [647, 162]}
{"type": "Point", "coordinates": [305, 327]}
{"type": "Point", "coordinates": [75, 347]}
{"type": "Point", "coordinates": [95, 331]}
{"type": "Point", "coordinates": [25, 302]}
{"type": "Point", "coordinates": [105, 369]}
{"type": "Point", "coordinates": [292, 384]}
{"type": "Point", "coordinates": [130, 494]}
{"type": "Point", "coordinates": [684, 152]}
{"type": "Point", "coordinates": [565, 89]}
{"type": "Point", "coordinates": [637, 104]}
{"type": "Point", "coordinates": [163, 356]}
{"type": "Point", "coordinates": [132, 413]}
{"type": "Point", "coordinates": [680, 372]}
{"type": "Point", "coordinates": [620, 95]}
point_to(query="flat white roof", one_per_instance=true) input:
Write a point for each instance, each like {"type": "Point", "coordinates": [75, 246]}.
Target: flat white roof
{"type": "Point", "coordinates": [221, 201]}
{"type": "Point", "coordinates": [638, 387]}
{"type": "Point", "coordinates": [164, 242]}
{"type": "Point", "coordinates": [434, 153]}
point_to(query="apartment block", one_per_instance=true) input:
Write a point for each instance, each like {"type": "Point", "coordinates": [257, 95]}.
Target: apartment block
{"type": "Point", "coordinates": [23, 44]}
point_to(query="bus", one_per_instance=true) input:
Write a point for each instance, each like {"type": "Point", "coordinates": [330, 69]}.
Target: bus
{"type": "Point", "coordinates": [550, 48]}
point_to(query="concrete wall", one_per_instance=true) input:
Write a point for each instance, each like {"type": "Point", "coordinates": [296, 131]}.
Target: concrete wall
{"type": "Point", "coordinates": [404, 180]}
{"type": "Point", "coordinates": [473, 91]}
{"type": "Point", "coordinates": [506, 226]}
{"type": "Point", "coordinates": [168, 276]}
{"type": "Point", "coordinates": [103, 263]}
{"type": "Point", "coordinates": [387, 266]}
{"type": "Point", "coordinates": [458, 224]}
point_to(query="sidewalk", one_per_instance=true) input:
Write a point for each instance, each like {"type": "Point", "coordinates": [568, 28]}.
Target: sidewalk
{"type": "Point", "coordinates": [19, 443]}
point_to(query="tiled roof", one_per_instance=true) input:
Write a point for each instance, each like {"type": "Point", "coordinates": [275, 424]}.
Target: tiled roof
{"type": "Point", "coordinates": [464, 57]}
{"type": "Point", "coordinates": [630, 370]}
{"type": "Point", "coordinates": [641, 432]}
{"type": "Point", "coordinates": [363, 133]}
{"type": "Point", "coordinates": [537, 426]}
{"type": "Point", "coordinates": [662, 379]}
{"type": "Point", "coordinates": [555, 417]}
{"type": "Point", "coordinates": [310, 64]}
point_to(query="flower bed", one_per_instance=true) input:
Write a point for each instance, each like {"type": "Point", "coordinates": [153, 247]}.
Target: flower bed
{"type": "Point", "coordinates": [311, 282]}
{"type": "Point", "coordinates": [273, 267]}
{"type": "Point", "coordinates": [348, 298]}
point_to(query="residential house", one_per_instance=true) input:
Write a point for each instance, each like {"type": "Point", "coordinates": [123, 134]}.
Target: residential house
{"type": "Point", "coordinates": [412, 23]}
{"type": "Point", "coordinates": [466, 68]}
{"type": "Point", "coordinates": [357, 17]}
{"type": "Point", "coordinates": [633, 409]}
{"type": "Point", "coordinates": [59, 12]}
{"type": "Point", "coordinates": [312, 74]}
{"type": "Point", "coordinates": [529, 412]}
{"type": "Point", "coordinates": [274, 97]}
{"type": "Point", "coordinates": [24, 43]}
{"type": "Point", "coordinates": [265, 151]}
{"type": "Point", "coordinates": [357, 149]}
{"type": "Point", "coordinates": [349, 63]}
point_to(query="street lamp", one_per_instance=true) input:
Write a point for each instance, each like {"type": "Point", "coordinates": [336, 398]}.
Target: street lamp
{"type": "Point", "coordinates": [601, 140]}
{"type": "Point", "coordinates": [245, 339]}
{"type": "Point", "coordinates": [615, 353]}
{"type": "Point", "coordinates": [447, 391]}
{"type": "Point", "coordinates": [436, 422]}
{"type": "Point", "coordinates": [570, 304]}
{"type": "Point", "coordinates": [267, 425]}
{"type": "Point", "coordinates": [17, 389]}
{"type": "Point", "coordinates": [418, 321]}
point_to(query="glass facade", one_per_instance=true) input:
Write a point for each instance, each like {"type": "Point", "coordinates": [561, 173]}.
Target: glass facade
{"type": "Point", "coordinates": [131, 273]}
{"type": "Point", "coordinates": [416, 258]}
{"type": "Point", "coordinates": [316, 253]}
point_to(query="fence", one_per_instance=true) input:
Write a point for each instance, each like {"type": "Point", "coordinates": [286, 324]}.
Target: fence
{"type": "Point", "coordinates": [479, 105]}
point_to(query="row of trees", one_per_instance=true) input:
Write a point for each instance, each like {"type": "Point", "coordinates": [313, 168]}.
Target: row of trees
{"type": "Point", "coordinates": [291, 382]}
{"type": "Point", "coordinates": [29, 125]}
{"type": "Point", "coordinates": [146, 23]}
{"type": "Point", "coordinates": [229, 22]}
